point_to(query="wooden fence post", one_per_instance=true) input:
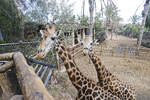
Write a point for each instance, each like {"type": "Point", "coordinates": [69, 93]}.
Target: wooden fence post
{"type": "Point", "coordinates": [138, 52]}
{"type": "Point", "coordinates": [101, 50]}
{"type": "Point", "coordinates": [125, 52]}
{"type": "Point", "coordinates": [112, 51]}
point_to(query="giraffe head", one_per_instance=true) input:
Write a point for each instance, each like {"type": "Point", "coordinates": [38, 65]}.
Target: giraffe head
{"type": "Point", "coordinates": [48, 40]}
{"type": "Point", "coordinates": [87, 48]}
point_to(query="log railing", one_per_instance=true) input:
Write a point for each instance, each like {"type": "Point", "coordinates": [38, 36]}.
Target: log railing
{"type": "Point", "coordinates": [32, 87]}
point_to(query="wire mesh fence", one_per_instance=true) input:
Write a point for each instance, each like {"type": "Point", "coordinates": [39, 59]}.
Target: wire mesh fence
{"type": "Point", "coordinates": [29, 49]}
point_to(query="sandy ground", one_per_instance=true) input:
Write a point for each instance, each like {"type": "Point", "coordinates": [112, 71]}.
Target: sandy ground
{"type": "Point", "coordinates": [133, 71]}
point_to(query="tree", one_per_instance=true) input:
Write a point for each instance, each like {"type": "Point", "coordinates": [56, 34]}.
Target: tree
{"type": "Point", "coordinates": [91, 10]}
{"type": "Point", "coordinates": [65, 14]}
{"type": "Point", "coordinates": [147, 23]}
{"type": "Point", "coordinates": [83, 8]}
{"type": "Point", "coordinates": [11, 21]}
{"type": "Point", "coordinates": [112, 19]}
{"type": "Point", "coordinates": [135, 21]}
{"type": "Point", "coordinates": [144, 15]}
{"type": "Point", "coordinates": [43, 11]}
{"type": "Point", "coordinates": [98, 23]}
{"type": "Point", "coordinates": [100, 35]}
{"type": "Point", "coordinates": [40, 10]}
{"type": "Point", "coordinates": [128, 29]}
{"type": "Point", "coordinates": [83, 21]}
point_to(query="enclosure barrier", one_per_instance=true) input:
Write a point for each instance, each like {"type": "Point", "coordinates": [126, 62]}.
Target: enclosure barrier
{"type": "Point", "coordinates": [127, 52]}
{"type": "Point", "coordinates": [19, 43]}
{"type": "Point", "coordinates": [131, 52]}
{"type": "Point", "coordinates": [32, 88]}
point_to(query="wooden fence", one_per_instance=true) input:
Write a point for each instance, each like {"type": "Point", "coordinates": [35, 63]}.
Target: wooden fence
{"type": "Point", "coordinates": [131, 52]}
{"type": "Point", "coordinates": [126, 52]}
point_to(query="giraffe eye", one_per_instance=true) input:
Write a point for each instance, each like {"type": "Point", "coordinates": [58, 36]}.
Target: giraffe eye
{"type": "Point", "coordinates": [43, 28]}
{"type": "Point", "coordinates": [45, 37]}
{"type": "Point", "coordinates": [46, 29]}
{"type": "Point", "coordinates": [53, 38]}
{"type": "Point", "coordinates": [39, 51]}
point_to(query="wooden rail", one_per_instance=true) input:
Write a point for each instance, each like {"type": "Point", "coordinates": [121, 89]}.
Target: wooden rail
{"type": "Point", "coordinates": [143, 53]}
{"type": "Point", "coordinates": [6, 66]}
{"type": "Point", "coordinates": [123, 51]}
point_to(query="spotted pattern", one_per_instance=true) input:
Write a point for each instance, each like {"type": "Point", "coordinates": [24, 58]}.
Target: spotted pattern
{"type": "Point", "coordinates": [111, 83]}
{"type": "Point", "coordinates": [87, 89]}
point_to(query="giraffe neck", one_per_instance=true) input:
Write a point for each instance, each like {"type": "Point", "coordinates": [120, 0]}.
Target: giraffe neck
{"type": "Point", "coordinates": [102, 73]}
{"type": "Point", "coordinates": [76, 77]}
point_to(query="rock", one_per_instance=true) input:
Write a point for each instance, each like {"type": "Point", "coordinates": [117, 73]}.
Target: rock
{"type": "Point", "coordinates": [146, 39]}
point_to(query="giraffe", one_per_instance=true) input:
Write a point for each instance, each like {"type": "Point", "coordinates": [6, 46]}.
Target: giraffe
{"type": "Point", "coordinates": [87, 89]}
{"type": "Point", "coordinates": [109, 81]}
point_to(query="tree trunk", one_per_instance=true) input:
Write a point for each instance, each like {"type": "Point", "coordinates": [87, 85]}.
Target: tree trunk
{"type": "Point", "coordinates": [132, 32]}
{"type": "Point", "coordinates": [83, 8]}
{"type": "Point", "coordinates": [91, 10]}
{"type": "Point", "coordinates": [1, 37]}
{"type": "Point", "coordinates": [145, 13]}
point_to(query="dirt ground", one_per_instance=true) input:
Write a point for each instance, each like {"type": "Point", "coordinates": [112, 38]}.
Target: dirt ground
{"type": "Point", "coordinates": [131, 70]}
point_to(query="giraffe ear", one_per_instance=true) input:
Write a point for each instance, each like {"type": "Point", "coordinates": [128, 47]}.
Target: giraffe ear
{"type": "Point", "coordinates": [42, 33]}
{"type": "Point", "coordinates": [58, 33]}
{"type": "Point", "coordinates": [47, 26]}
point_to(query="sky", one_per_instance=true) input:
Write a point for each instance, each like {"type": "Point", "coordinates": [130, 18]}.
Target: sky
{"type": "Point", "coordinates": [127, 8]}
